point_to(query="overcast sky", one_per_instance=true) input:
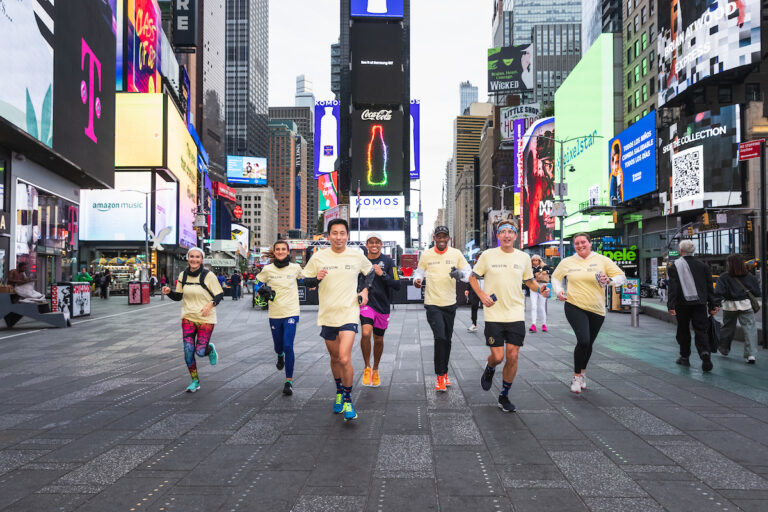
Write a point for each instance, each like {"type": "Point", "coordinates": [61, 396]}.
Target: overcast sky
{"type": "Point", "coordinates": [449, 42]}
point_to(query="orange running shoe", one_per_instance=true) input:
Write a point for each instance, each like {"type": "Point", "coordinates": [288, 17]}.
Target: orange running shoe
{"type": "Point", "coordinates": [447, 380]}
{"type": "Point", "coordinates": [367, 376]}
{"type": "Point", "coordinates": [376, 379]}
{"type": "Point", "coordinates": [440, 383]}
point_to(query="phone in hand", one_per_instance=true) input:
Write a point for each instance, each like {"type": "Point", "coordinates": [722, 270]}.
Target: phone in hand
{"type": "Point", "coordinates": [493, 297]}
{"type": "Point", "coordinates": [359, 300]}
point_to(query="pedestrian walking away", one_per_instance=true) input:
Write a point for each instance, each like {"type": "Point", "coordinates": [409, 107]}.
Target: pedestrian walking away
{"type": "Point", "coordinates": [734, 288]}
{"type": "Point", "coordinates": [504, 269]}
{"type": "Point", "coordinates": [587, 274]}
{"type": "Point", "coordinates": [106, 281]}
{"type": "Point", "coordinates": [235, 283]}
{"type": "Point", "coordinates": [542, 274]}
{"type": "Point", "coordinates": [474, 305]}
{"type": "Point", "coordinates": [374, 317]}
{"type": "Point", "coordinates": [339, 301]}
{"type": "Point", "coordinates": [199, 292]}
{"type": "Point", "coordinates": [438, 270]}
{"type": "Point", "coordinates": [662, 287]}
{"type": "Point", "coordinates": [691, 295]}
{"type": "Point", "coordinates": [277, 284]}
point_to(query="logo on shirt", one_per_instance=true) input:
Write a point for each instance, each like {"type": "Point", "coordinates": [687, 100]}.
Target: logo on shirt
{"type": "Point", "coordinates": [290, 321]}
{"type": "Point", "coordinates": [347, 267]}
{"type": "Point", "coordinates": [330, 267]}
{"type": "Point", "coordinates": [501, 265]}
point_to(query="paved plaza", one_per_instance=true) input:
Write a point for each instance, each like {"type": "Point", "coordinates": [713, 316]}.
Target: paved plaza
{"type": "Point", "coordinates": [94, 418]}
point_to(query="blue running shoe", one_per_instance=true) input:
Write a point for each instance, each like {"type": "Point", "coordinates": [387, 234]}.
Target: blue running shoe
{"type": "Point", "coordinates": [213, 356]}
{"type": "Point", "coordinates": [338, 405]}
{"type": "Point", "coordinates": [349, 412]}
{"type": "Point", "coordinates": [194, 386]}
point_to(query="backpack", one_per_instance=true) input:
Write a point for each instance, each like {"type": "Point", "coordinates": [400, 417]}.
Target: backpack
{"type": "Point", "coordinates": [203, 273]}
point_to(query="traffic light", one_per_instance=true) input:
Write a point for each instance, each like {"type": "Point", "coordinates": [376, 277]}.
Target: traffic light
{"type": "Point", "coordinates": [749, 225]}
{"type": "Point", "coordinates": [705, 218]}
{"type": "Point", "coordinates": [690, 231]}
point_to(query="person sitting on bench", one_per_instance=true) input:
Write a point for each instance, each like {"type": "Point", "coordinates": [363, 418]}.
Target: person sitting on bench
{"type": "Point", "coordinates": [24, 285]}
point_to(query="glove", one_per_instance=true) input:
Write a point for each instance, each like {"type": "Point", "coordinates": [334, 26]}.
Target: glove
{"type": "Point", "coordinates": [267, 293]}
{"type": "Point", "coordinates": [455, 273]}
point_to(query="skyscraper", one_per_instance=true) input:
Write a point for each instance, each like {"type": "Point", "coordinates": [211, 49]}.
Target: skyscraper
{"type": "Point", "coordinates": [502, 23]}
{"type": "Point", "coordinates": [336, 69]}
{"type": "Point", "coordinates": [527, 13]}
{"type": "Point", "coordinates": [247, 77]}
{"type": "Point", "coordinates": [304, 95]}
{"type": "Point", "coordinates": [468, 96]}
{"type": "Point", "coordinates": [600, 16]}
{"type": "Point", "coordinates": [556, 50]}
{"type": "Point", "coordinates": [282, 171]}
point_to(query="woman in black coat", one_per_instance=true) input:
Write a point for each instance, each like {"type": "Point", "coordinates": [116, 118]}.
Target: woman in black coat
{"type": "Point", "coordinates": [732, 288]}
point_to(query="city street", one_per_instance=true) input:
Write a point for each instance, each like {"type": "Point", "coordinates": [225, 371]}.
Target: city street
{"type": "Point", "coordinates": [94, 418]}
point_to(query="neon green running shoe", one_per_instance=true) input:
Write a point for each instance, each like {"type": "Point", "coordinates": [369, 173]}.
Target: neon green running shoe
{"type": "Point", "coordinates": [349, 412]}
{"type": "Point", "coordinates": [338, 405]}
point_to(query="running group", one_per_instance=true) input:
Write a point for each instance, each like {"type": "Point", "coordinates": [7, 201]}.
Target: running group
{"type": "Point", "coordinates": [355, 288]}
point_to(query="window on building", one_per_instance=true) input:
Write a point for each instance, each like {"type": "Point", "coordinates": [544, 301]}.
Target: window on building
{"type": "Point", "coordinates": [645, 112]}
{"type": "Point", "coordinates": [645, 67]}
{"type": "Point", "coordinates": [629, 79]}
{"type": "Point", "coordinates": [637, 74]}
{"type": "Point", "coordinates": [644, 40]}
{"type": "Point", "coordinates": [629, 8]}
{"type": "Point", "coordinates": [637, 23]}
{"type": "Point", "coordinates": [724, 94]}
{"type": "Point", "coordinates": [629, 55]}
{"type": "Point", "coordinates": [637, 97]}
{"type": "Point", "coordinates": [652, 86]}
{"type": "Point", "coordinates": [643, 15]}
{"type": "Point", "coordinates": [629, 32]}
{"type": "Point", "coordinates": [650, 6]}
{"type": "Point", "coordinates": [752, 92]}
{"type": "Point", "coordinates": [629, 104]}
{"type": "Point", "coordinates": [637, 117]}
{"type": "Point", "coordinates": [645, 93]}
{"type": "Point", "coordinates": [651, 34]}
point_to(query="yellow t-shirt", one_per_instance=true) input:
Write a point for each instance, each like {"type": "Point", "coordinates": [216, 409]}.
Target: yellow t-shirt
{"type": "Point", "coordinates": [583, 289]}
{"type": "Point", "coordinates": [337, 292]}
{"type": "Point", "coordinates": [195, 297]}
{"type": "Point", "coordinates": [504, 273]}
{"type": "Point", "coordinates": [283, 282]}
{"type": "Point", "coordinates": [441, 288]}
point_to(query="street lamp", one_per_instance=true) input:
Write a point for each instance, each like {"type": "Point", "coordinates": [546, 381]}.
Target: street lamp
{"type": "Point", "coordinates": [146, 225]}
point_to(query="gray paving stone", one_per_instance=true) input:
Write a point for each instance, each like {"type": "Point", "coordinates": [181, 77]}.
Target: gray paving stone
{"type": "Point", "coordinates": [401, 494]}
{"type": "Point", "coordinates": [172, 427]}
{"type": "Point", "coordinates": [536, 500]}
{"type": "Point", "coordinates": [454, 429]}
{"type": "Point", "coordinates": [687, 496]}
{"type": "Point", "coordinates": [623, 505]}
{"type": "Point", "coordinates": [640, 422]}
{"type": "Point", "coordinates": [106, 469]}
{"type": "Point", "coordinates": [465, 472]}
{"type": "Point", "coordinates": [593, 474]}
{"type": "Point", "coordinates": [329, 504]}
{"type": "Point", "coordinates": [404, 456]}
{"type": "Point", "coordinates": [264, 429]}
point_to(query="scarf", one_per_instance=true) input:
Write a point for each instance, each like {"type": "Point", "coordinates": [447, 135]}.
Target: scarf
{"type": "Point", "coordinates": [686, 280]}
{"type": "Point", "coordinates": [282, 263]}
{"type": "Point", "coordinates": [194, 273]}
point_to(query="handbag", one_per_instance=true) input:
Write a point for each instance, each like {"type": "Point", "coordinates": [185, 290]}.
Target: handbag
{"type": "Point", "coordinates": [714, 334]}
{"type": "Point", "coordinates": [752, 298]}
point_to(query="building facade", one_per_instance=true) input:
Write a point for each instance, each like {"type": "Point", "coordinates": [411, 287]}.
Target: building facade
{"type": "Point", "coordinates": [336, 70]}
{"type": "Point", "coordinates": [467, 95]}
{"type": "Point", "coordinates": [282, 172]}
{"type": "Point", "coordinates": [556, 52]}
{"type": "Point", "coordinates": [527, 13]}
{"type": "Point", "coordinates": [305, 97]}
{"type": "Point", "coordinates": [501, 24]}
{"type": "Point", "coordinates": [640, 67]}
{"type": "Point", "coordinates": [464, 230]}
{"type": "Point", "coordinates": [259, 214]}
{"type": "Point", "coordinates": [600, 16]}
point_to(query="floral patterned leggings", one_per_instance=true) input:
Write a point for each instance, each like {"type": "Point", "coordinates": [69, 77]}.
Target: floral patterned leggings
{"type": "Point", "coordinates": [196, 337]}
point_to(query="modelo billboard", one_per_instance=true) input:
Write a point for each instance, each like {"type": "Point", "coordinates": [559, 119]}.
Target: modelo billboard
{"type": "Point", "coordinates": [377, 150]}
{"type": "Point", "coordinates": [699, 39]}
{"type": "Point", "coordinates": [510, 69]}
{"type": "Point", "coordinates": [327, 136]}
{"type": "Point", "coordinates": [182, 162]}
{"type": "Point", "coordinates": [698, 161]}
{"type": "Point", "coordinates": [632, 161]}
{"type": "Point", "coordinates": [377, 69]}
{"type": "Point", "coordinates": [246, 170]}
{"type": "Point", "coordinates": [394, 9]}
{"type": "Point", "coordinates": [538, 195]}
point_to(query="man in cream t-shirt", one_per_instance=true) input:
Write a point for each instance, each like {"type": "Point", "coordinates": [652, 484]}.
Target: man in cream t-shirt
{"type": "Point", "coordinates": [441, 266]}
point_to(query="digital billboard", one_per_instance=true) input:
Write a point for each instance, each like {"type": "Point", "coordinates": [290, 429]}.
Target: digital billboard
{"type": "Point", "coordinates": [327, 135]}
{"type": "Point", "coordinates": [246, 170]}
{"type": "Point", "coordinates": [538, 157]}
{"type": "Point", "coordinates": [510, 69]}
{"type": "Point", "coordinates": [377, 9]}
{"type": "Point", "coordinates": [508, 116]}
{"type": "Point", "coordinates": [142, 46]}
{"type": "Point", "coordinates": [241, 235]}
{"type": "Point", "coordinates": [328, 191]}
{"type": "Point", "coordinates": [377, 150]}
{"type": "Point", "coordinates": [182, 162]}
{"type": "Point", "coordinates": [378, 207]}
{"type": "Point", "coordinates": [139, 130]}
{"type": "Point", "coordinates": [84, 102]}
{"type": "Point", "coordinates": [632, 161]}
{"type": "Point", "coordinates": [377, 69]}
{"type": "Point", "coordinates": [698, 161]}
{"type": "Point", "coordinates": [118, 6]}
{"type": "Point", "coordinates": [26, 61]}
{"type": "Point", "coordinates": [166, 194]}
{"type": "Point", "coordinates": [112, 215]}
{"type": "Point", "coordinates": [518, 129]}
{"type": "Point", "coordinates": [415, 139]}
{"type": "Point", "coordinates": [698, 39]}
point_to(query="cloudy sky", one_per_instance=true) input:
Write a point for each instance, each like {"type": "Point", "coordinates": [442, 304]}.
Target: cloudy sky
{"type": "Point", "coordinates": [449, 42]}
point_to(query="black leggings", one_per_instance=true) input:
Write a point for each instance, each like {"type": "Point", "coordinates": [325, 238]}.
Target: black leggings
{"type": "Point", "coordinates": [441, 320]}
{"type": "Point", "coordinates": [586, 326]}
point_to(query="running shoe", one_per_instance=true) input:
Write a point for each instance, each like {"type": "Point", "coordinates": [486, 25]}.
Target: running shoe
{"type": "Point", "coordinates": [367, 376]}
{"type": "Point", "coordinates": [583, 381]}
{"type": "Point", "coordinates": [447, 380]}
{"type": "Point", "coordinates": [486, 381]}
{"type": "Point", "coordinates": [706, 363]}
{"type": "Point", "coordinates": [288, 388]}
{"type": "Point", "coordinates": [349, 411]}
{"type": "Point", "coordinates": [532, 328]}
{"type": "Point", "coordinates": [376, 379]}
{"type": "Point", "coordinates": [338, 405]}
{"type": "Point", "coordinates": [683, 361]}
{"type": "Point", "coordinates": [280, 362]}
{"type": "Point", "coordinates": [213, 356]}
{"type": "Point", "coordinates": [194, 386]}
{"type": "Point", "coordinates": [505, 405]}
{"type": "Point", "coordinates": [576, 384]}
{"type": "Point", "coordinates": [472, 328]}
{"type": "Point", "coordinates": [544, 327]}
{"type": "Point", "coordinates": [440, 384]}
{"type": "Point", "coordinates": [751, 360]}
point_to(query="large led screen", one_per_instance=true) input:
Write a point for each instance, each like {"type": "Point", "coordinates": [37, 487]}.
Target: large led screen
{"type": "Point", "coordinates": [143, 46]}
{"type": "Point", "coordinates": [538, 160]}
{"type": "Point", "coordinates": [700, 38]}
{"type": "Point", "coordinates": [112, 215]}
{"type": "Point", "coordinates": [415, 139]}
{"type": "Point", "coordinates": [698, 161]}
{"type": "Point", "coordinates": [377, 70]}
{"type": "Point", "coordinates": [377, 150]}
{"type": "Point", "coordinates": [377, 8]}
{"type": "Point", "coordinates": [632, 161]}
{"type": "Point", "coordinates": [246, 170]}
{"type": "Point", "coordinates": [328, 191]}
{"type": "Point", "coordinates": [139, 130]}
{"type": "Point", "coordinates": [510, 69]}
{"type": "Point", "coordinates": [327, 135]}
{"type": "Point", "coordinates": [166, 193]}
{"type": "Point", "coordinates": [182, 162]}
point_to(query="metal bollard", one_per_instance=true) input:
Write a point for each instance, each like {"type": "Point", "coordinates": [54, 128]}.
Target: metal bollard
{"type": "Point", "coordinates": [635, 311]}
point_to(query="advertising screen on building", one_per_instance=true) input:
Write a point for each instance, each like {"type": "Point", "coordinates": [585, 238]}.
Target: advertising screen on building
{"type": "Point", "coordinates": [165, 227]}
{"type": "Point", "coordinates": [378, 207]}
{"type": "Point", "coordinates": [632, 161]}
{"type": "Point", "coordinates": [377, 9]}
{"type": "Point", "coordinates": [415, 139]}
{"type": "Point", "coordinates": [698, 39]}
{"type": "Point", "coordinates": [377, 70]}
{"type": "Point", "coordinates": [112, 215]}
{"type": "Point", "coordinates": [328, 191]}
{"type": "Point", "coordinates": [139, 130]}
{"type": "Point", "coordinates": [510, 69]}
{"type": "Point", "coordinates": [508, 116]}
{"type": "Point", "coordinates": [240, 234]}
{"type": "Point", "coordinates": [142, 44]}
{"type": "Point", "coordinates": [327, 135]}
{"type": "Point", "coordinates": [377, 150]}
{"type": "Point", "coordinates": [698, 161]}
{"type": "Point", "coordinates": [246, 170]}
{"type": "Point", "coordinates": [518, 129]}
{"type": "Point", "coordinates": [538, 157]}
{"type": "Point", "coordinates": [182, 162]}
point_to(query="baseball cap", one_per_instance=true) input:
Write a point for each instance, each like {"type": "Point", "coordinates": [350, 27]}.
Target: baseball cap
{"type": "Point", "coordinates": [374, 235]}
{"type": "Point", "coordinates": [442, 229]}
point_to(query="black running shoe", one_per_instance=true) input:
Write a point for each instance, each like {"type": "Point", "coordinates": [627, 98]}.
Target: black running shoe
{"type": "Point", "coordinates": [683, 361]}
{"type": "Point", "coordinates": [280, 362]}
{"type": "Point", "coordinates": [487, 379]}
{"type": "Point", "coordinates": [706, 363]}
{"type": "Point", "coordinates": [505, 405]}
{"type": "Point", "coordinates": [288, 388]}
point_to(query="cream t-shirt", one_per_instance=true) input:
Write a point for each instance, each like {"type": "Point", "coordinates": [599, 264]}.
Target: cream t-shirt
{"type": "Point", "coordinates": [504, 274]}
{"type": "Point", "coordinates": [283, 282]}
{"type": "Point", "coordinates": [440, 287]}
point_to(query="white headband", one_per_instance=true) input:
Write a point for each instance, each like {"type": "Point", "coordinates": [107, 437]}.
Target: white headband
{"type": "Point", "coordinates": [195, 249]}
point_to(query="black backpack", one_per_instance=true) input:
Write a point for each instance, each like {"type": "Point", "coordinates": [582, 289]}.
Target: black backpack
{"type": "Point", "coordinates": [203, 273]}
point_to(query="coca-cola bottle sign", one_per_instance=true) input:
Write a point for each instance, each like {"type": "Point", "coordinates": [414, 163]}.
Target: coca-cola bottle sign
{"type": "Point", "coordinates": [380, 115]}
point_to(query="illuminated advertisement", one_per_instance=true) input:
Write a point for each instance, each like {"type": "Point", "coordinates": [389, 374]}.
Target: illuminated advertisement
{"type": "Point", "coordinates": [182, 162]}
{"type": "Point", "coordinates": [698, 39]}
{"type": "Point", "coordinates": [26, 61]}
{"type": "Point", "coordinates": [377, 69]}
{"type": "Point", "coordinates": [508, 116]}
{"type": "Point", "coordinates": [246, 170]}
{"type": "Point", "coordinates": [632, 161]}
{"type": "Point", "coordinates": [378, 207]}
{"type": "Point", "coordinates": [415, 139]}
{"type": "Point", "coordinates": [328, 191]}
{"type": "Point", "coordinates": [166, 192]}
{"type": "Point", "coordinates": [518, 127]}
{"type": "Point", "coordinates": [510, 69]}
{"type": "Point", "coordinates": [143, 46]}
{"type": "Point", "coordinates": [377, 8]}
{"type": "Point", "coordinates": [377, 150]}
{"type": "Point", "coordinates": [139, 130]}
{"type": "Point", "coordinates": [538, 156]}
{"type": "Point", "coordinates": [240, 234]}
{"type": "Point", "coordinates": [327, 136]}
{"type": "Point", "coordinates": [112, 215]}
{"type": "Point", "coordinates": [698, 161]}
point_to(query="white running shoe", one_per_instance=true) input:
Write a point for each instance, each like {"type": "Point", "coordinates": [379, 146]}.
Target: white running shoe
{"type": "Point", "coordinates": [583, 381]}
{"type": "Point", "coordinates": [472, 328]}
{"type": "Point", "coordinates": [576, 384]}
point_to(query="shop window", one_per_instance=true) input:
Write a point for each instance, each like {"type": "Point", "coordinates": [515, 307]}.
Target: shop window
{"type": "Point", "coordinates": [753, 92]}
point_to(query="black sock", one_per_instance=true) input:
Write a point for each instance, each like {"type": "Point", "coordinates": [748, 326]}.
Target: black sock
{"type": "Point", "coordinates": [490, 369]}
{"type": "Point", "coordinates": [347, 393]}
{"type": "Point", "coordinates": [338, 386]}
{"type": "Point", "coordinates": [505, 387]}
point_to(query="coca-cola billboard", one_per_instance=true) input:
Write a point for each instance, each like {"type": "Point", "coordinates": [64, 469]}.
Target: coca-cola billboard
{"type": "Point", "coordinates": [377, 64]}
{"type": "Point", "coordinates": [377, 151]}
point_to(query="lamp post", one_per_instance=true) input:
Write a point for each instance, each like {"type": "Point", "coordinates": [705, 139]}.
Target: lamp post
{"type": "Point", "coordinates": [146, 225]}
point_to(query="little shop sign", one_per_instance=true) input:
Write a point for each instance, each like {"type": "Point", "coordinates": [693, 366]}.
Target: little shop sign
{"type": "Point", "coordinates": [623, 257]}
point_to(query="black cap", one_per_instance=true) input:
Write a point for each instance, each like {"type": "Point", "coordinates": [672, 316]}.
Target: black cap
{"type": "Point", "coordinates": [442, 229]}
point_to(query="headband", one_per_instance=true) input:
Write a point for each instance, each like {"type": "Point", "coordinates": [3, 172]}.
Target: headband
{"type": "Point", "coordinates": [506, 226]}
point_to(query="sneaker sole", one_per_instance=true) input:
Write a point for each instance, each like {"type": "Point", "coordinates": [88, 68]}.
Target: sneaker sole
{"type": "Point", "coordinates": [576, 392]}
{"type": "Point", "coordinates": [193, 390]}
{"type": "Point", "coordinates": [503, 409]}
{"type": "Point", "coordinates": [350, 419]}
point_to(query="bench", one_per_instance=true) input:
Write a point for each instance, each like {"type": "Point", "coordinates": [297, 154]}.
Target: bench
{"type": "Point", "coordinates": [12, 311]}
